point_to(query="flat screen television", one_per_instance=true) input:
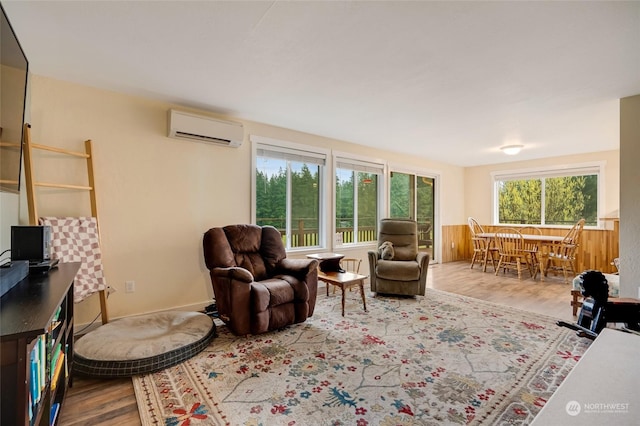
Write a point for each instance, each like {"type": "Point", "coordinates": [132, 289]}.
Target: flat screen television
{"type": "Point", "coordinates": [14, 69]}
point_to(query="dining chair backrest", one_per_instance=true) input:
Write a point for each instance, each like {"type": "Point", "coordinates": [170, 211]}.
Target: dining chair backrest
{"type": "Point", "coordinates": [573, 236]}
{"type": "Point", "coordinates": [569, 245]}
{"type": "Point", "coordinates": [532, 230]}
{"type": "Point", "coordinates": [474, 227]}
{"type": "Point", "coordinates": [350, 264]}
{"type": "Point", "coordinates": [509, 241]}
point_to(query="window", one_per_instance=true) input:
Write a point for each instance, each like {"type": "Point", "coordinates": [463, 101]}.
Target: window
{"type": "Point", "coordinates": [358, 185]}
{"type": "Point", "coordinates": [288, 193]}
{"type": "Point", "coordinates": [412, 196]}
{"type": "Point", "coordinates": [548, 197]}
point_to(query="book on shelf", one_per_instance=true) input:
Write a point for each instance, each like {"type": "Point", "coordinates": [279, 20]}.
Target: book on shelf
{"type": "Point", "coordinates": [37, 369]}
{"type": "Point", "coordinates": [55, 408]}
{"type": "Point", "coordinates": [33, 379]}
{"type": "Point", "coordinates": [54, 357]}
{"type": "Point", "coordinates": [42, 370]}
{"type": "Point", "coordinates": [55, 376]}
{"type": "Point", "coordinates": [56, 314]}
{"type": "Point", "coordinates": [54, 325]}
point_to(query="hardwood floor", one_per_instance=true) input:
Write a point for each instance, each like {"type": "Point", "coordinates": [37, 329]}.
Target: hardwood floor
{"type": "Point", "coordinates": [549, 297]}
{"type": "Point", "coordinates": [113, 402]}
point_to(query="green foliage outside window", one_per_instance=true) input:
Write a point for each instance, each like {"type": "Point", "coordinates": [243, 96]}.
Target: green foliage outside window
{"type": "Point", "coordinates": [359, 203]}
{"type": "Point", "coordinates": [407, 191]}
{"type": "Point", "coordinates": [520, 201]}
{"type": "Point", "coordinates": [567, 199]}
{"type": "Point", "coordinates": [402, 199]}
{"type": "Point", "coordinates": [304, 202]}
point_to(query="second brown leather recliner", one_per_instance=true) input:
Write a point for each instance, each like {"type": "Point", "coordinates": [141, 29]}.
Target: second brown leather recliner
{"type": "Point", "coordinates": [256, 287]}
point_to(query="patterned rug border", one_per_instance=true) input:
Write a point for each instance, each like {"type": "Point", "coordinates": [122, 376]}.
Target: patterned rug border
{"type": "Point", "coordinates": [146, 393]}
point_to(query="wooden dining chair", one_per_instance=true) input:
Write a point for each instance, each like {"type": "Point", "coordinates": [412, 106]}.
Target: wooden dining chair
{"type": "Point", "coordinates": [482, 247]}
{"type": "Point", "coordinates": [562, 256]}
{"type": "Point", "coordinates": [510, 245]}
{"type": "Point", "coordinates": [349, 264]}
{"type": "Point", "coordinates": [532, 248]}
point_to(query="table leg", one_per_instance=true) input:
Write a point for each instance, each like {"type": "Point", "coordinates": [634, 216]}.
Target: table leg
{"type": "Point", "coordinates": [326, 284]}
{"type": "Point", "coordinates": [364, 302]}
{"type": "Point", "coordinates": [342, 288]}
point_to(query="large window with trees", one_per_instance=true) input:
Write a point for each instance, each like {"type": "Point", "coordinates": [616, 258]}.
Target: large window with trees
{"type": "Point", "coordinates": [289, 193]}
{"type": "Point", "coordinates": [357, 200]}
{"type": "Point", "coordinates": [548, 197]}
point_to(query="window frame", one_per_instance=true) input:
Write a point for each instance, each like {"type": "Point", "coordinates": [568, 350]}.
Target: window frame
{"type": "Point", "coordinates": [437, 214]}
{"type": "Point", "coordinates": [361, 164]}
{"type": "Point", "coordinates": [293, 149]}
{"type": "Point", "coordinates": [564, 170]}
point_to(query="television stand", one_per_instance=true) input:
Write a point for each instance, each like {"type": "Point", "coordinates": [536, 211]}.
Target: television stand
{"type": "Point", "coordinates": [36, 345]}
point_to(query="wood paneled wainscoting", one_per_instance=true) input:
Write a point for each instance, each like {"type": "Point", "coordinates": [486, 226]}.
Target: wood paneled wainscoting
{"type": "Point", "coordinates": [598, 247]}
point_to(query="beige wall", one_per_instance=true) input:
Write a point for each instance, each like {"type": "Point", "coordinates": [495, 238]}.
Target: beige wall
{"type": "Point", "coordinates": [630, 195]}
{"type": "Point", "coordinates": [157, 196]}
{"type": "Point", "coordinates": [478, 183]}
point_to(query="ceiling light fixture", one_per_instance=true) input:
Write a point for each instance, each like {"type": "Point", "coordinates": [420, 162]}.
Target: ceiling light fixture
{"type": "Point", "coordinates": [511, 149]}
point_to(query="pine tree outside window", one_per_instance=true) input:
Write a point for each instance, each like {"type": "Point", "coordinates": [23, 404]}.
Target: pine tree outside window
{"type": "Point", "coordinates": [288, 194]}
{"type": "Point", "coordinates": [413, 196]}
{"type": "Point", "coordinates": [358, 200]}
{"type": "Point", "coordinates": [552, 197]}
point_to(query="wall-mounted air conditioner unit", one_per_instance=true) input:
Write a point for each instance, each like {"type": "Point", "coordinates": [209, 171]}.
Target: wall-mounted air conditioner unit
{"type": "Point", "coordinates": [183, 125]}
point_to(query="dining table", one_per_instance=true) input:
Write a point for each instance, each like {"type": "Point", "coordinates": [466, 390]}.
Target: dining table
{"type": "Point", "coordinates": [541, 242]}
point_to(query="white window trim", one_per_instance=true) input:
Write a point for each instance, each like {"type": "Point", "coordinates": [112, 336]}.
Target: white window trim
{"type": "Point", "coordinates": [561, 170]}
{"type": "Point", "coordinates": [313, 151]}
{"type": "Point", "coordinates": [365, 163]}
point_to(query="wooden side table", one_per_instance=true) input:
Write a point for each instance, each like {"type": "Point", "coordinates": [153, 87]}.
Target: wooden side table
{"type": "Point", "coordinates": [342, 280]}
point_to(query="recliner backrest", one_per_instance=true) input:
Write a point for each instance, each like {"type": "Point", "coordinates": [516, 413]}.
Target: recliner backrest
{"type": "Point", "coordinates": [255, 248]}
{"type": "Point", "coordinates": [403, 233]}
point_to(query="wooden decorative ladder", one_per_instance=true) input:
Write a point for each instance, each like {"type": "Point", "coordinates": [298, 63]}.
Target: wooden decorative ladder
{"type": "Point", "coordinates": [31, 185]}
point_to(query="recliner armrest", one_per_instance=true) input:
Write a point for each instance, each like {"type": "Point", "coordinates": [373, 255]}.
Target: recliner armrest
{"type": "Point", "coordinates": [421, 258]}
{"type": "Point", "coordinates": [233, 273]}
{"type": "Point", "coordinates": [297, 267]}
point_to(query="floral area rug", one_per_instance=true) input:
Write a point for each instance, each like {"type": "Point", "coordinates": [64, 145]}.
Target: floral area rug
{"type": "Point", "coordinates": [433, 360]}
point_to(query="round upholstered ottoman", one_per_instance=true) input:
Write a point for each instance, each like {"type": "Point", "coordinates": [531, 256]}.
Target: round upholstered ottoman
{"type": "Point", "coordinates": [142, 344]}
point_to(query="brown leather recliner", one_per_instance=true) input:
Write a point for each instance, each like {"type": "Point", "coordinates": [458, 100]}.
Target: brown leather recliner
{"type": "Point", "coordinates": [256, 287]}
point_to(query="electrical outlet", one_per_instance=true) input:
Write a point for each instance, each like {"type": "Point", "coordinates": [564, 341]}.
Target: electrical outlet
{"type": "Point", "coordinates": [339, 238]}
{"type": "Point", "coordinates": [129, 286]}
{"type": "Point", "coordinates": [453, 245]}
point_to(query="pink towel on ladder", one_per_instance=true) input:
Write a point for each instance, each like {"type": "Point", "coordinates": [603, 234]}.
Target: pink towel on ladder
{"type": "Point", "coordinates": [75, 239]}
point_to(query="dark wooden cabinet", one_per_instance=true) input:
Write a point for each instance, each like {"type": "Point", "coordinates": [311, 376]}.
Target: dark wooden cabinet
{"type": "Point", "coordinates": [36, 321]}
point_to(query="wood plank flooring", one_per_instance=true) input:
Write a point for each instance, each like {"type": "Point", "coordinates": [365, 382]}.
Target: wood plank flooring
{"type": "Point", "coordinates": [113, 402]}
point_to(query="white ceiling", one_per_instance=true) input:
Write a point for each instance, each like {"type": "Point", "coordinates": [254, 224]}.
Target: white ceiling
{"type": "Point", "coordinates": [448, 81]}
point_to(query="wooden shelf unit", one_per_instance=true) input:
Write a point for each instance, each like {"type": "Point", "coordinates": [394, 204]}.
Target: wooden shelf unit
{"type": "Point", "coordinates": [39, 308]}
